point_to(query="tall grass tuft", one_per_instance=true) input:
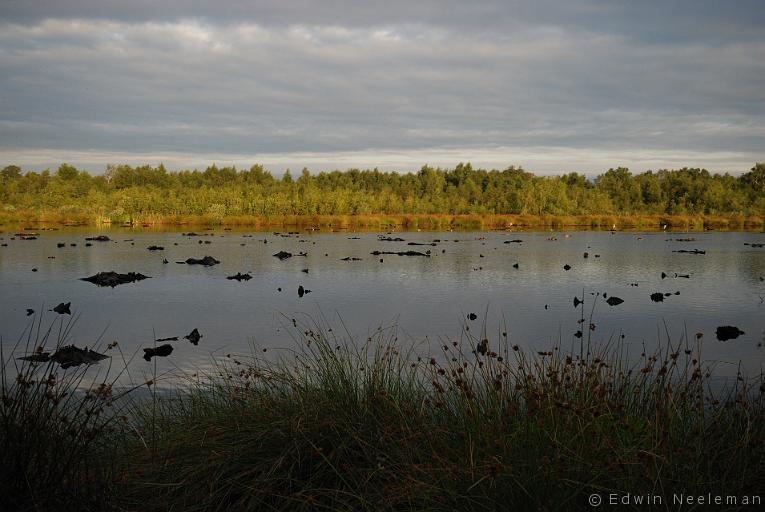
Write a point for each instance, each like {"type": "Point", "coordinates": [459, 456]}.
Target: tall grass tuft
{"type": "Point", "coordinates": [481, 425]}
{"type": "Point", "coordinates": [57, 428]}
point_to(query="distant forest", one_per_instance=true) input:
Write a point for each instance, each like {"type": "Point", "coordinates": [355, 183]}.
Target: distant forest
{"type": "Point", "coordinates": [125, 192]}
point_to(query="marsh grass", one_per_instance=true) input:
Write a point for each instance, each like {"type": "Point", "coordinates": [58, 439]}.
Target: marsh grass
{"type": "Point", "coordinates": [478, 424]}
{"type": "Point", "coordinates": [57, 426]}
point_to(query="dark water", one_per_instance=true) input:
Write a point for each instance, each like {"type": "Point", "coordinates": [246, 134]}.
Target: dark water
{"type": "Point", "coordinates": [427, 297]}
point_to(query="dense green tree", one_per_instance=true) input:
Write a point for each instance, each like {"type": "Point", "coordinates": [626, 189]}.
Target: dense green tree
{"type": "Point", "coordinates": [10, 173]}
{"type": "Point", "coordinates": [67, 172]}
{"type": "Point", "coordinates": [129, 192]}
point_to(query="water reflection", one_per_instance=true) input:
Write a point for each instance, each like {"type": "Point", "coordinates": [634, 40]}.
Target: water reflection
{"type": "Point", "coordinates": [427, 296]}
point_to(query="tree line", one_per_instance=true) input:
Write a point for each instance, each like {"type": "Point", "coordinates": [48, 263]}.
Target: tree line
{"type": "Point", "coordinates": [124, 192]}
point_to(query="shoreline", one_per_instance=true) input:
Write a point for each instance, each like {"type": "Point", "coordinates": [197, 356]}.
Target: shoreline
{"type": "Point", "coordinates": [404, 222]}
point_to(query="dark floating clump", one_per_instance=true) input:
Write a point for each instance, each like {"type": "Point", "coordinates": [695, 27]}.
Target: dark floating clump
{"type": "Point", "coordinates": [171, 338]}
{"type": "Point", "coordinates": [240, 277]}
{"type": "Point", "coordinates": [156, 248]}
{"type": "Point", "coordinates": [283, 255]}
{"type": "Point", "coordinates": [516, 241]}
{"type": "Point", "coordinates": [37, 357]}
{"type": "Point", "coordinates": [693, 251]}
{"type": "Point", "coordinates": [207, 261]}
{"type": "Point", "coordinates": [577, 302]}
{"type": "Point", "coordinates": [614, 301]}
{"type": "Point", "coordinates": [657, 297]}
{"type": "Point", "coordinates": [728, 332]}
{"type": "Point", "coordinates": [754, 245]}
{"type": "Point", "coordinates": [67, 356]}
{"type": "Point", "coordinates": [472, 316]}
{"type": "Point", "coordinates": [63, 309]}
{"type": "Point", "coordinates": [349, 258]}
{"type": "Point", "coordinates": [433, 244]}
{"type": "Point", "coordinates": [389, 239]}
{"type": "Point", "coordinates": [400, 253]}
{"type": "Point", "coordinates": [73, 356]}
{"type": "Point", "coordinates": [193, 337]}
{"type": "Point", "coordinates": [302, 291]}
{"type": "Point", "coordinates": [515, 265]}
{"type": "Point", "coordinates": [99, 238]}
{"type": "Point", "coordinates": [60, 245]}
{"type": "Point", "coordinates": [566, 267]}
{"type": "Point", "coordinates": [30, 311]}
{"type": "Point", "coordinates": [114, 279]}
{"type": "Point", "coordinates": [160, 351]}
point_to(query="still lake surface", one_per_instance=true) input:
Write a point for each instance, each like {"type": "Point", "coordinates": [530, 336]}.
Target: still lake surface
{"type": "Point", "coordinates": [428, 298]}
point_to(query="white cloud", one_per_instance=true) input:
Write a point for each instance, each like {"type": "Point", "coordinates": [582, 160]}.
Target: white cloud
{"type": "Point", "coordinates": [548, 160]}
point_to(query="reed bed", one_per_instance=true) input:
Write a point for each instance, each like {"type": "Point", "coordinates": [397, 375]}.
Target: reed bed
{"type": "Point", "coordinates": [478, 422]}
{"type": "Point", "coordinates": [383, 222]}
{"type": "Point", "coordinates": [477, 425]}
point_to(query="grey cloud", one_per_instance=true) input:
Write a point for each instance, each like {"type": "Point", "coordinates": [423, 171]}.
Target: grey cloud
{"type": "Point", "coordinates": [656, 20]}
{"type": "Point", "coordinates": [295, 81]}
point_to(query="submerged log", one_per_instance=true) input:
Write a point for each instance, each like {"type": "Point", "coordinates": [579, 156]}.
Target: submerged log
{"type": "Point", "coordinates": [114, 279]}
{"type": "Point", "coordinates": [207, 261]}
{"type": "Point", "coordinates": [160, 351]}
{"type": "Point", "coordinates": [67, 356]}
{"type": "Point", "coordinates": [240, 277]}
{"type": "Point", "coordinates": [63, 309]}
{"type": "Point", "coordinates": [400, 253]}
{"type": "Point", "coordinates": [193, 337]}
{"type": "Point", "coordinates": [728, 332]}
{"type": "Point", "coordinates": [694, 251]}
{"type": "Point", "coordinates": [614, 301]}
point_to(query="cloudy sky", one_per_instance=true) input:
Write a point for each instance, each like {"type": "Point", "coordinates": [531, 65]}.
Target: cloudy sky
{"type": "Point", "coordinates": [552, 85]}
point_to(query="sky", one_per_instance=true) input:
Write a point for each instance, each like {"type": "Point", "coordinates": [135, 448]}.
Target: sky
{"type": "Point", "coordinates": [550, 85]}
